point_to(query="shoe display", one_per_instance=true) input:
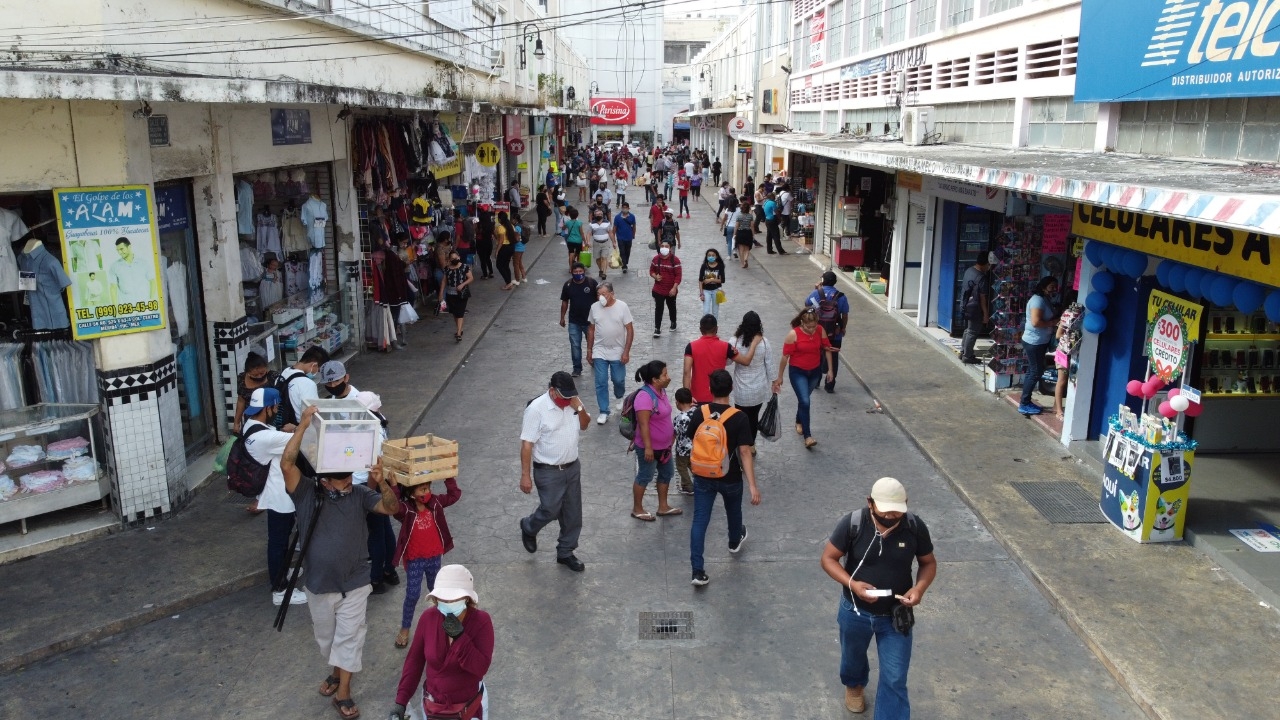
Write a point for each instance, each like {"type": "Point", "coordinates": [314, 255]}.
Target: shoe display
{"type": "Point", "coordinates": [573, 563]}
{"type": "Point", "coordinates": [735, 548]}
{"type": "Point", "coordinates": [700, 578]}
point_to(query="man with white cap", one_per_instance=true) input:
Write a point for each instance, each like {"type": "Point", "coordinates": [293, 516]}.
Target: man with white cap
{"type": "Point", "coordinates": [266, 444]}
{"type": "Point", "coordinates": [454, 645]}
{"type": "Point", "coordinates": [878, 544]}
{"type": "Point", "coordinates": [549, 436]}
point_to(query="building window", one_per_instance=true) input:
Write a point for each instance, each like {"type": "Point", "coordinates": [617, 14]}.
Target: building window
{"type": "Point", "coordinates": [806, 121]}
{"type": "Point", "coordinates": [674, 53]}
{"type": "Point", "coordinates": [896, 23]}
{"type": "Point", "coordinates": [1061, 123]}
{"type": "Point", "coordinates": [958, 11]}
{"type": "Point", "coordinates": [835, 26]}
{"type": "Point", "coordinates": [926, 17]}
{"type": "Point", "coordinates": [855, 28]}
{"type": "Point", "coordinates": [995, 6]}
{"type": "Point", "coordinates": [874, 26]}
{"type": "Point", "coordinates": [768, 28]}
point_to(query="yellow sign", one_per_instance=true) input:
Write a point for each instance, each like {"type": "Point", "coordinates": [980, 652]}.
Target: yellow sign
{"type": "Point", "coordinates": [452, 167]}
{"type": "Point", "coordinates": [911, 181]}
{"type": "Point", "coordinates": [1226, 250]}
{"type": "Point", "coordinates": [1173, 326]}
{"type": "Point", "coordinates": [487, 154]}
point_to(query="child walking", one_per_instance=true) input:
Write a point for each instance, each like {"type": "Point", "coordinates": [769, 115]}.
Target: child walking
{"type": "Point", "coordinates": [684, 444]}
{"type": "Point", "coordinates": [424, 539]}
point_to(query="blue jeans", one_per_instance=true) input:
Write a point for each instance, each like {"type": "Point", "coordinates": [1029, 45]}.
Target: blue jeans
{"type": "Point", "coordinates": [709, 304]}
{"type": "Point", "coordinates": [804, 383]}
{"type": "Point", "coordinates": [704, 499]}
{"type": "Point", "coordinates": [603, 369]}
{"type": "Point", "coordinates": [576, 333]}
{"type": "Point", "coordinates": [645, 469]}
{"type": "Point", "coordinates": [893, 650]}
{"type": "Point", "coordinates": [1035, 368]}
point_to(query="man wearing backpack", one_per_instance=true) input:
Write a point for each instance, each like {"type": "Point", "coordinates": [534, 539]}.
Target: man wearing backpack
{"type": "Point", "coordinates": [721, 457]}
{"type": "Point", "coordinates": [833, 316]}
{"type": "Point", "coordinates": [297, 386]}
{"type": "Point", "coordinates": [265, 445]}
{"type": "Point", "coordinates": [975, 302]}
{"type": "Point", "coordinates": [879, 544]}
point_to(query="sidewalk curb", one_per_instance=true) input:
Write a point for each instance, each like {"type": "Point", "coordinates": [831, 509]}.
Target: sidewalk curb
{"type": "Point", "coordinates": [1055, 599]}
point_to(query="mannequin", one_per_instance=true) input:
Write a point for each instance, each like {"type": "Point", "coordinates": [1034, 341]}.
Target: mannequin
{"type": "Point", "coordinates": [47, 309]}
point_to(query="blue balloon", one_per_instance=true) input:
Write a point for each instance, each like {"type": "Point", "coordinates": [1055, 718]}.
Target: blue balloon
{"type": "Point", "coordinates": [1223, 288]}
{"type": "Point", "coordinates": [1179, 275]}
{"type": "Point", "coordinates": [1135, 263]}
{"type": "Point", "coordinates": [1103, 281]}
{"type": "Point", "coordinates": [1194, 277]}
{"type": "Point", "coordinates": [1094, 323]}
{"type": "Point", "coordinates": [1162, 272]}
{"type": "Point", "coordinates": [1109, 257]}
{"type": "Point", "coordinates": [1093, 252]}
{"type": "Point", "coordinates": [1096, 302]}
{"type": "Point", "coordinates": [1206, 284]}
{"type": "Point", "coordinates": [1272, 306]}
{"type": "Point", "coordinates": [1248, 297]}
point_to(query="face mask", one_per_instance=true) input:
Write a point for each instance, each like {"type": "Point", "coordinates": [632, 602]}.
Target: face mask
{"type": "Point", "coordinates": [711, 258]}
{"type": "Point", "coordinates": [561, 402]}
{"type": "Point", "coordinates": [665, 252]}
{"type": "Point", "coordinates": [577, 277]}
{"type": "Point", "coordinates": [312, 376]}
{"type": "Point", "coordinates": [338, 390]}
{"type": "Point", "coordinates": [885, 522]}
{"type": "Point", "coordinates": [451, 608]}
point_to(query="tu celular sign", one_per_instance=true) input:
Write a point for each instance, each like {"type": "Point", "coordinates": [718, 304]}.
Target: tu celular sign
{"type": "Point", "coordinates": [1173, 326]}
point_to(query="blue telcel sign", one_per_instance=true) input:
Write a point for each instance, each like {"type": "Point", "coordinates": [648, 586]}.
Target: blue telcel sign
{"type": "Point", "coordinates": [1173, 49]}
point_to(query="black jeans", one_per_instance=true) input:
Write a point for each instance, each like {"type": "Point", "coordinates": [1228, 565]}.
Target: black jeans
{"type": "Point", "coordinates": [784, 223]}
{"type": "Point", "coordinates": [753, 418]}
{"type": "Point", "coordinates": [542, 222]}
{"type": "Point", "coordinates": [624, 249]}
{"type": "Point", "coordinates": [382, 546]}
{"type": "Point", "coordinates": [279, 526]}
{"type": "Point", "coordinates": [771, 235]}
{"type": "Point", "coordinates": [504, 262]}
{"type": "Point", "coordinates": [658, 302]}
{"type": "Point", "coordinates": [1035, 368]}
{"type": "Point", "coordinates": [484, 250]}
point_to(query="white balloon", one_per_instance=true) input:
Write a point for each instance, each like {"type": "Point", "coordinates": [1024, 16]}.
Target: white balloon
{"type": "Point", "coordinates": [1179, 403]}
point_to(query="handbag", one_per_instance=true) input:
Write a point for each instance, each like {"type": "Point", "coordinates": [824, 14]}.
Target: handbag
{"type": "Point", "coordinates": [769, 424]}
{"type": "Point", "coordinates": [452, 711]}
{"type": "Point", "coordinates": [720, 297]}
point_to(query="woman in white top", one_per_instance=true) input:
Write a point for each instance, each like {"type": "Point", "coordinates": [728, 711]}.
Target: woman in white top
{"type": "Point", "coordinates": [752, 383]}
{"type": "Point", "coordinates": [601, 238]}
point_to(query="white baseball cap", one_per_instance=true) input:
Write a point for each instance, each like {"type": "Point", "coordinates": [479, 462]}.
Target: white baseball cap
{"type": "Point", "coordinates": [889, 495]}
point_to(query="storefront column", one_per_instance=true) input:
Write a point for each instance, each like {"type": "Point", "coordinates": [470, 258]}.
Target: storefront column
{"type": "Point", "coordinates": [137, 376]}
{"type": "Point", "coordinates": [926, 302]}
{"type": "Point", "coordinates": [1079, 401]}
{"type": "Point", "coordinates": [897, 261]}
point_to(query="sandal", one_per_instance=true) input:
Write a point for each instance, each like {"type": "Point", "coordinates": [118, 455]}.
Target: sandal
{"type": "Point", "coordinates": [643, 516]}
{"type": "Point", "coordinates": [402, 638]}
{"type": "Point", "coordinates": [347, 708]}
{"type": "Point", "coordinates": [669, 512]}
{"type": "Point", "coordinates": [330, 686]}
{"type": "Point", "coordinates": [457, 337]}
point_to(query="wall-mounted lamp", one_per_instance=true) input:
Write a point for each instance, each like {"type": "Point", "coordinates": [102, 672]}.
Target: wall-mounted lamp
{"type": "Point", "coordinates": [536, 36]}
{"type": "Point", "coordinates": [785, 68]}
{"type": "Point", "coordinates": [593, 88]}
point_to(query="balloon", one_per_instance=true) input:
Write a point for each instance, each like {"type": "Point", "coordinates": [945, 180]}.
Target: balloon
{"type": "Point", "coordinates": [1168, 411]}
{"type": "Point", "coordinates": [1206, 284]}
{"type": "Point", "coordinates": [1248, 297]}
{"type": "Point", "coordinates": [1096, 302]}
{"type": "Point", "coordinates": [1135, 263]}
{"type": "Point", "coordinates": [1134, 388]}
{"type": "Point", "coordinates": [1109, 256]}
{"type": "Point", "coordinates": [1094, 323]}
{"type": "Point", "coordinates": [1179, 403]}
{"type": "Point", "coordinates": [1223, 289]}
{"type": "Point", "coordinates": [1162, 272]}
{"type": "Point", "coordinates": [1149, 390]}
{"type": "Point", "coordinates": [1194, 410]}
{"type": "Point", "coordinates": [1179, 275]}
{"type": "Point", "coordinates": [1103, 281]}
{"type": "Point", "coordinates": [1093, 252]}
{"type": "Point", "coordinates": [1157, 381]}
{"type": "Point", "coordinates": [1174, 392]}
{"type": "Point", "coordinates": [1194, 277]}
{"type": "Point", "coordinates": [1272, 306]}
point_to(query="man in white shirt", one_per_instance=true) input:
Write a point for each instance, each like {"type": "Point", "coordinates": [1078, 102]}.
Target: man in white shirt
{"type": "Point", "coordinates": [549, 436]}
{"type": "Point", "coordinates": [785, 200]}
{"type": "Point", "coordinates": [609, 335]}
{"type": "Point", "coordinates": [299, 385]}
{"type": "Point", "coordinates": [265, 445]}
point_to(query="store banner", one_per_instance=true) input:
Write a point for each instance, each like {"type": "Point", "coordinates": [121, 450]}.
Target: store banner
{"type": "Point", "coordinates": [613, 111]}
{"type": "Point", "coordinates": [911, 181]}
{"type": "Point", "coordinates": [1233, 252]}
{"type": "Point", "coordinates": [1149, 50]}
{"type": "Point", "coordinates": [445, 160]}
{"type": "Point", "coordinates": [966, 192]}
{"type": "Point", "coordinates": [817, 38]}
{"type": "Point", "coordinates": [110, 232]}
{"type": "Point", "coordinates": [1173, 327]}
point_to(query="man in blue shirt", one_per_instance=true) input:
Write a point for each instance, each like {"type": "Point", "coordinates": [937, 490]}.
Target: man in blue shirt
{"type": "Point", "coordinates": [624, 229]}
{"type": "Point", "coordinates": [772, 234]}
{"type": "Point", "coordinates": [833, 315]}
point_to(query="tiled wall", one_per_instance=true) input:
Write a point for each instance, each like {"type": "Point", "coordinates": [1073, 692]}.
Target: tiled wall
{"type": "Point", "coordinates": [140, 403]}
{"type": "Point", "coordinates": [230, 345]}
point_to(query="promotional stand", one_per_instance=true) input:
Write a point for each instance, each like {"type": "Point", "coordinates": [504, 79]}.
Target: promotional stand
{"type": "Point", "coordinates": [1146, 485]}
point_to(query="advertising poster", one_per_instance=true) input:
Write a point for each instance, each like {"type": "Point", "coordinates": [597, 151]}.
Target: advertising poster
{"type": "Point", "coordinates": [1173, 326]}
{"type": "Point", "coordinates": [1145, 490]}
{"type": "Point", "coordinates": [444, 160]}
{"type": "Point", "coordinates": [111, 253]}
{"type": "Point", "coordinates": [817, 38]}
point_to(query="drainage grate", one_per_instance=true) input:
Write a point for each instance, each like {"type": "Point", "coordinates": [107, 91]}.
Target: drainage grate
{"type": "Point", "coordinates": [674, 625]}
{"type": "Point", "coordinates": [1061, 502]}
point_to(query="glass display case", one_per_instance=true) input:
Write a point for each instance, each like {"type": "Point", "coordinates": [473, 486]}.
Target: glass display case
{"type": "Point", "coordinates": [1241, 355]}
{"type": "Point", "coordinates": [310, 318]}
{"type": "Point", "coordinates": [49, 460]}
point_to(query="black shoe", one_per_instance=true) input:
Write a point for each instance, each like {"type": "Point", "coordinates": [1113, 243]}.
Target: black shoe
{"type": "Point", "coordinates": [572, 562]}
{"type": "Point", "coordinates": [576, 373]}
{"type": "Point", "coordinates": [530, 541]}
{"type": "Point", "coordinates": [735, 548]}
{"type": "Point", "coordinates": [970, 360]}
{"type": "Point", "coordinates": [657, 332]}
{"type": "Point", "coordinates": [829, 387]}
{"type": "Point", "coordinates": [700, 578]}
{"type": "Point", "coordinates": [673, 326]}
{"type": "Point", "coordinates": [391, 578]}
{"type": "Point", "coordinates": [783, 252]}
{"type": "Point", "coordinates": [772, 252]}
{"type": "Point", "coordinates": [379, 588]}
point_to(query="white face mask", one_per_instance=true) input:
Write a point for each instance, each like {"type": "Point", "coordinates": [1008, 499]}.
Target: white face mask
{"type": "Point", "coordinates": [665, 251]}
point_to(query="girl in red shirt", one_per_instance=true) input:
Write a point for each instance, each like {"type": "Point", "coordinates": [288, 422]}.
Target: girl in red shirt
{"type": "Point", "coordinates": [423, 541]}
{"type": "Point", "coordinates": [802, 360]}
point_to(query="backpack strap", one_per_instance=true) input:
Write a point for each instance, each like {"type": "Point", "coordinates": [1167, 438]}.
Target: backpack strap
{"type": "Point", "coordinates": [248, 433]}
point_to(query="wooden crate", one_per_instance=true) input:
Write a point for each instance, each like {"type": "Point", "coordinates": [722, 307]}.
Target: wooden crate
{"type": "Point", "coordinates": [415, 460]}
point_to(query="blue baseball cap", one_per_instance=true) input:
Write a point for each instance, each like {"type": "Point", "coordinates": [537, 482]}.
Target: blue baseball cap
{"type": "Point", "coordinates": [261, 399]}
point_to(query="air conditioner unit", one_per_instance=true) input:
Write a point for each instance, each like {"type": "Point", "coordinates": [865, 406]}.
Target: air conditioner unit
{"type": "Point", "coordinates": [706, 103]}
{"type": "Point", "coordinates": [497, 58]}
{"type": "Point", "coordinates": [917, 125]}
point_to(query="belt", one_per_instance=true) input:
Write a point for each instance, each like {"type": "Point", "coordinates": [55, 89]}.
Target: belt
{"type": "Point", "coordinates": [544, 466]}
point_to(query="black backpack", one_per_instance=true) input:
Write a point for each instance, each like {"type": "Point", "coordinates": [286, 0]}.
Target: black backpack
{"type": "Point", "coordinates": [244, 474]}
{"type": "Point", "coordinates": [285, 415]}
{"type": "Point", "coordinates": [829, 312]}
{"type": "Point", "coordinates": [856, 523]}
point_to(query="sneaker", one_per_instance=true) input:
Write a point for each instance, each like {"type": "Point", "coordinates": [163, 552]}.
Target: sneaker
{"type": "Point", "coordinates": [970, 360]}
{"type": "Point", "coordinates": [297, 598]}
{"type": "Point", "coordinates": [700, 578]}
{"type": "Point", "coordinates": [673, 326]}
{"type": "Point", "coordinates": [602, 418]}
{"type": "Point", "coordinates": [391, 578]}
{"type": "Point", "coordinates": [685, 491]}
{"type": "Point", "coordinates": [735, 548]}
{"type": "Point", "coordinates": [576, 373]}
{"type": "Point", "coordinates": [618, 405]}
{"type": "Point", "coordinates": [657, 332]}
{"type": "Point", "coordinates": [1030, 409]}
{"type": "Point", "coordinates": [378, 588]}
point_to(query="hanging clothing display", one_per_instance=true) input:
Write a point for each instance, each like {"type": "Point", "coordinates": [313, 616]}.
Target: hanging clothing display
{"type": "Point", "coordinates": [249, 265]}
{"type": "Point", "coordinates": [11, 228]}
{"type": "Point", "coordinates": [270, 288]}
{"type": "Point", "coordinates": [293, 235]}
{"type": "Point", "coordinates": [65, 371]}
{"type": "Point", "coordinates": [244, 208]}
{"type": "Point", "coordinates": [175, 277]}
{"type": "Point", "coordinates": [268, 235]}
{"type": "Point", "coordinates": [297, 277]}
{"type": "Point", "coordinates": [315, 215]}
{"type": "Point", "coordinates": [12, 396]}
{"type": "Point", "coordinates": [48, 311]}
{"type": "Point", "coordinates": [315, 270]}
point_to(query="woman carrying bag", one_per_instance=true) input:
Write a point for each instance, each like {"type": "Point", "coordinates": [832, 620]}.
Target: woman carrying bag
{"type": "Point", "coordinates": [752, 383]}
{"type": "Point", "coordinates": [457, 291]}
{"type": "Point", "coordinates": [802, 361]}
{"type": "Point", "coordinates": [710, 280]}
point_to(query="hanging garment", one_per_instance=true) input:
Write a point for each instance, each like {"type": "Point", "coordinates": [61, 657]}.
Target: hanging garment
{"type": "Point", "coordinates": [244, 208]}
{"type": "Point", "coordinates": [296, 278]}
{"type": "Point", "coordinates": [48, 312]}
{"type": "Point", "coordinates": [269, 235]}
{"type": "Point", "coordinates": [176, 290]}
{"type": "Point", "coordinates": [189, 369]}
{"type": "Point", "coordinates": [315, 215]}
{"type": "Point", "coordinates": [250, 265]}
{"type": "Point", "coordinates": [11, 228]}
{"type": "Point", "coordinates": [270, 289]}
{"type": "Point", "coordinates": [293, 235]}
{"type": "Point", "coordinates": [315, 272]}
{"type": "Point", "coordinates": [12, 396]}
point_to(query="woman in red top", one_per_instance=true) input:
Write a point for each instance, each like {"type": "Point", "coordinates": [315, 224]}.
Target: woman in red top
{"type": "Point", "coordinates": [666, 273]}
{"type": "Point", "coordinates": [423, 541]}
{"type": "Point", "coordinates": [802, 360]}
{"type": "Point", "coordinates": [454, 645]}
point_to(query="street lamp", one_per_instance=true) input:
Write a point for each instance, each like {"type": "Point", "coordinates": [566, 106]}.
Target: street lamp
{"type": "Point", "coordinates": [593, 88]}
{"type": "Point", "coordinates": [536, 36]}
{"type": "Point", "coordinates": [702, 75]}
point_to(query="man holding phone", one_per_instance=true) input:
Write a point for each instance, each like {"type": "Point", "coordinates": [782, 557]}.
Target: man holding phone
{"type": "Point", "coordinates": [878, 544]}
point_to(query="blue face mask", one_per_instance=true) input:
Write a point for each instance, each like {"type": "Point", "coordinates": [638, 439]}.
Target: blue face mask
{"type": "Point", "coordinates": [577, 277]}
{"type": "Point", "coordinates": [452, 608]}
{"type": "Point", "coordinates": [711, 258]}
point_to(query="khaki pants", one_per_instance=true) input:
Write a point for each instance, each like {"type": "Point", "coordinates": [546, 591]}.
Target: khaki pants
{"type": "Point", "coordinates": [339, 626]}
{"type": "Point", "coordinates": [682, 467]}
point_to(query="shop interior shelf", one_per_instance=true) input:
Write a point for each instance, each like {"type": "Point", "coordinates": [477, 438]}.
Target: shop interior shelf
{"type": "Point", "coordinates": [25, 505]}
{"type": "Point", "coordinates": [1240, 395]}
{"type": "Point", "coordinates": [1241, 336]}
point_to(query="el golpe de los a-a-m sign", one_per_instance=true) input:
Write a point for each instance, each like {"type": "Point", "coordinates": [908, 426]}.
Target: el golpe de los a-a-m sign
{"type": "Point", "coordinates": [1175, 49]}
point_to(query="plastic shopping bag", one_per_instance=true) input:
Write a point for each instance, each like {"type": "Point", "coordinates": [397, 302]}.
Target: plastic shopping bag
{"type": "Point", "coordinates": [220, 461]}
{"type": "Point", "coordinates": [615, 261]}
{"type": "Point", "coordinates": [584, 257]}
{"type": "Point", "coordinates": [408, 315]}
{"type": "Point", "coordinates": [770, 426]}
{"type": "Point", "coordinates": [720, 298]}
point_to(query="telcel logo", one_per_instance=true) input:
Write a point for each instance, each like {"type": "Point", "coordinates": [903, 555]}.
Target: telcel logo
{"type": "Point", "coordinates": [1225, 32]}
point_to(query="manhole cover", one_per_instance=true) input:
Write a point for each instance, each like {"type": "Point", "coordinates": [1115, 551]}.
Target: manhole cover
{"type": "Point", "coordinates": [1061, 502]}
{"type": "Point", "coordinates": [674, 625]}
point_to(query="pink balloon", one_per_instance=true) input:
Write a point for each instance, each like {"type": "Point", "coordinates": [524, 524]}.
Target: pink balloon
{"type": "Point", "coordinates": [1173, 393]}
{"type": "Point", "coordinates": [1158, 382]}
{"type": "Point", "coordinates": [1194, 409]}
{"type": "Point", "coordinates": [1134, 388]}
{"type": "Point", "coordinates": [1149, 389]}
{"type": "Point", "coordinates": [1168, 411]}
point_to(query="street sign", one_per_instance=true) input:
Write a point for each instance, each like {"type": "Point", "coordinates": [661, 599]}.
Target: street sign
{"type": "Point", "coordinates": [515, 146]}
{"type": "Point", "coordinates": [487, 154]}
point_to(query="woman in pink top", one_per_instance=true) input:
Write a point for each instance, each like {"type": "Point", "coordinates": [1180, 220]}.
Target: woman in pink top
{"type": "Point", "coordinates": [655, 436]}
{"type": "Point", "coordinates": [802, 360]}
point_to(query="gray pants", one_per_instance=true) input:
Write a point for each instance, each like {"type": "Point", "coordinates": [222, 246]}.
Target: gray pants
{"type": "Point", "coordinates": [559, 498]}
{"type": "Point", "coordinates": [971, 330]}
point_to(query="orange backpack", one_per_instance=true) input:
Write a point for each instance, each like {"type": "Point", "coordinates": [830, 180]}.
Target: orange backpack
{"type": "Point", "coordinates": [711, 452]}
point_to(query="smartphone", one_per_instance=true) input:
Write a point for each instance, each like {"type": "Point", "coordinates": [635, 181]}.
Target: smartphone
{"type": "Point", "coordinates": [880, 593]}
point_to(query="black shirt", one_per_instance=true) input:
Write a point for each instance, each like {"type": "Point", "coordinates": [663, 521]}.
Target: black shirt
{"type": "Point", "coordinates": [886, 562]}
{"type": "Point", "coordinates": [581, 297]}
{"type": "Point", "coordinates": [736, 426]}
